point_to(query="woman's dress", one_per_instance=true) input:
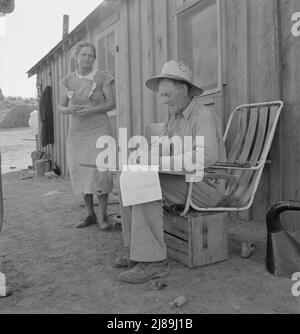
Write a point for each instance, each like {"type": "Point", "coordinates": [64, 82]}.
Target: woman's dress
{"type": "Point", "coordinates": [85, 131]}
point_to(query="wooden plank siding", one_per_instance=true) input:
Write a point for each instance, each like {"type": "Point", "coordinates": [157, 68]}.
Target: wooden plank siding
{"type": "Point", "coordinates": [123, 70]}
{"type": "Point", "coordinates": [150, 28]}
{"type": "Point", "coordinates": [252, 70]}
{"type": "Point", "coordinates": [136, 73]}
{"type": "Point", "coordinates": [147, 24]}
{"type": "Point", "coordinates": [264, 79]}
{"type": "Point", "coordinates": [260, 61]}
{"type": "Point", "coordinates": [289, 174]}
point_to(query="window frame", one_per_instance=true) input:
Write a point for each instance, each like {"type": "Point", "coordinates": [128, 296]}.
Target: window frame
{"type": "Point", "coordinates": [104, 34]}
{"type": "Point", "coordinates": [183, 7]}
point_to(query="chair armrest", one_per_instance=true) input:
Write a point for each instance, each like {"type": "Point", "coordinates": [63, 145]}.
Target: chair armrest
{"type": "Point", "coordinates": [230, 165]}
{"type": "Point", "coordinates": [236, 165]}
{"type": "Point", "coordinates": [208, 174]}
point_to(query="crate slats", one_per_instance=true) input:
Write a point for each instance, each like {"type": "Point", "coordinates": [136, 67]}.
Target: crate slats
{"type": "Point", "coordinates": [197, 239]}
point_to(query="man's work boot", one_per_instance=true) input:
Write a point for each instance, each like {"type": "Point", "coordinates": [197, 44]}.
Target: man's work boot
{"type": "Point", "coordinates": [146, 271]}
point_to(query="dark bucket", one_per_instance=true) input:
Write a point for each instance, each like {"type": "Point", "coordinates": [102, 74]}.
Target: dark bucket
{"type": "Point", "coordinates": [283, 250]}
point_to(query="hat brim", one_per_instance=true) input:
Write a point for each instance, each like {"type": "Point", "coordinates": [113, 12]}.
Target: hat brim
{"type": "Point", "coordinates": [153, 83]}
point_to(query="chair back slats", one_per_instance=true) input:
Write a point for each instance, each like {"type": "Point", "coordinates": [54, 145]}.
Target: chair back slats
{"type": "Point", "coordinates": [245, 196]}
{"type": "Point", "coordinates": [233, 195]}
{"type": "Point", "coordinates": [254, 134]}
{"type": "Point", "coordinates": [273, 113]}
{"type": "Point", "coordinates": [250, 137]}
{"type": "Point", "coordinates": [242, 127]}
{"type": "Point", "coordinates": [237, 147]}
{"type": "Point", "coordinates": [257, 156]}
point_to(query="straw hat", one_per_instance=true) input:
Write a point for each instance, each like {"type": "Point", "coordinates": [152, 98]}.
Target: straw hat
{"type": "Point", "coordinates": [175, 70]}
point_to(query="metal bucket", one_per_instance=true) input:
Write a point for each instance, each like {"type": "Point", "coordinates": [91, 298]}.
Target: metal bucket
{"type": "Point", "coordinates": [41, 167]}
{"type": "Point", "coordinates": [283, 250]}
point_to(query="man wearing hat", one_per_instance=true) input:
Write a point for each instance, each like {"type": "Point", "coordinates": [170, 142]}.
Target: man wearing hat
{"type": "Point", "coordinates": [145, 255]}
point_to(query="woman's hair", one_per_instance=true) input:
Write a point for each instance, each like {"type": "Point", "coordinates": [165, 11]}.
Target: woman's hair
{"type": "Point", "coordinates": [81, 45]}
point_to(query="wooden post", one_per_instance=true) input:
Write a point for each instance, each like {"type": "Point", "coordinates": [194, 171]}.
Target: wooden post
{"type": "Point", "coordinates": [65, 26]}
{"type": "Point", "coordinates": [286, 177]}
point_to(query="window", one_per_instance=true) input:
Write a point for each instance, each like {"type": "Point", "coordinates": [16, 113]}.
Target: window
{"type": "Point", "coordinates": [199, 43]}
{"type": "Point", "coordinates": [107, 53]}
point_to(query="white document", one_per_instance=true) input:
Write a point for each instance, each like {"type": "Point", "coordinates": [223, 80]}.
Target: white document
{"type": "Point", "coordinates": [139, 184]}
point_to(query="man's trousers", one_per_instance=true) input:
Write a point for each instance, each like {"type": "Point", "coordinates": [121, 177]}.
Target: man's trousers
{"type": "Point", "coordinates": [142, 224]}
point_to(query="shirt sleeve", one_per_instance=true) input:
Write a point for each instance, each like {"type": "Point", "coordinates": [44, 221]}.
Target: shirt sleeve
{"type": "Point", "coordinates": [208, 129]}
{"type": "Point", "coordinates": [107, 78]}
{"type": "Point", "coordinates": [204, 126]}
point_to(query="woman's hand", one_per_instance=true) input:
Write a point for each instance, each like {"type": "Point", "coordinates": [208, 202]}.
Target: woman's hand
{"type": "Point", "coordinates": [70, 109]}
{"type": "Point", "coordinates": [82, 112]}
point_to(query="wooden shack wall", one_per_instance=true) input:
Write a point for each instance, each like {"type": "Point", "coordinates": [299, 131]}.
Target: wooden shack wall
{"type": "Point", "coordinates": [253, 73]}
{"type": "Point", "coordinates": [263, 64]}
{"type": "Point", "coordinates": [146, 40]}
{"type": "Point", "coordinates": [256, 42]}
{"type": "Point", "coordinates": [50, 74]}
{"type": "Point", "coordinates": [289, 175]}
{"type": "Point", "coordinates": [251, 65]}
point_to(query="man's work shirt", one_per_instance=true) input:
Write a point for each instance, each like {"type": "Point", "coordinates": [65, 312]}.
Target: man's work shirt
{"type": "Point", "coordinates": [197, 120]}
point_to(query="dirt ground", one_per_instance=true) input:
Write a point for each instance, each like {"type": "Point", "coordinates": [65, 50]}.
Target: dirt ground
{"type": "Point", "coordinates": [52, 267]}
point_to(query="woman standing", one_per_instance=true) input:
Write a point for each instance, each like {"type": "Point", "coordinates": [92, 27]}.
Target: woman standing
{"type": "Point", "coordinates": [87, 94]}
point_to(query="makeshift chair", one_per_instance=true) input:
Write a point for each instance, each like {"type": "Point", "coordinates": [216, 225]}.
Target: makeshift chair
{"type": "Point", "coordinates": [199, 239]}
{"type": "Point", "coordinates": [256, 124]}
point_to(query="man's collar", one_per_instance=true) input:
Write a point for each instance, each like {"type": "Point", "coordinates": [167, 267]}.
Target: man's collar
{"type": "Point", "coordinates": [188, 110]}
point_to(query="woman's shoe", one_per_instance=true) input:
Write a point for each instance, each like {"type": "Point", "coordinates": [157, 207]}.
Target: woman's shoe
{"type": "Point", "coordinates": [89, 220]}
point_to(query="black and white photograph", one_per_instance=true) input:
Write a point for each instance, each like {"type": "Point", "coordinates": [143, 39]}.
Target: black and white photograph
{"type": "Point", "coordinates": [150, 160]}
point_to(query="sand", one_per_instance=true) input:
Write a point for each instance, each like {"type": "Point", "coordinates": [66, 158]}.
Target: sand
{"type": "Point", "coordinates": [52, 267]}
{"type": "Point", "coordinates": [16, 146]}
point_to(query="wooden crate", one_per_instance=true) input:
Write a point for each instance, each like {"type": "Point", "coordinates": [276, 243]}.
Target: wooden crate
{"type": "Point", "coordinates": [197, 239]}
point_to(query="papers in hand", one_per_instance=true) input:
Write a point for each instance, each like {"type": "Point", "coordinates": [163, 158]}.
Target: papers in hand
{"type": "Point", "coordinates": [139, 184]}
